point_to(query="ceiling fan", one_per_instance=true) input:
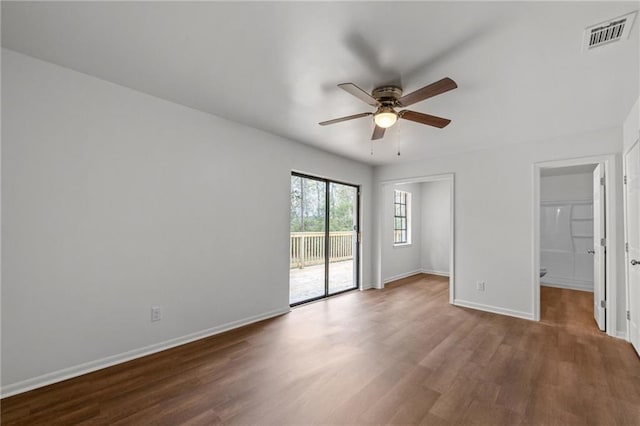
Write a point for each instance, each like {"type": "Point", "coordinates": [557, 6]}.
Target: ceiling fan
{"type": "Point", "coordinates": [387, 98]}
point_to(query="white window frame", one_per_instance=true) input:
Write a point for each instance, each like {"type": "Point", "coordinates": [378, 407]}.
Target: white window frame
{"type": "Point", "coordinates": [407, 218]}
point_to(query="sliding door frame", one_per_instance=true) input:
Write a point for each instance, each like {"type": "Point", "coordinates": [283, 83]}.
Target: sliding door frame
{"type": "Point", "coordinates": [356, 251]}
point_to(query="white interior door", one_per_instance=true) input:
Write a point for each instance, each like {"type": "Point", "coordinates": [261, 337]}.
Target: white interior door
{"type": "Point", "coordinates": [632, 196]}
{"type": "Point", "coordinates": [599, 294]}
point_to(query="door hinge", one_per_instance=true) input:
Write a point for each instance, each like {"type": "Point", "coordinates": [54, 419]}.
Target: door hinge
{"type": "Point", "coordinates": [624, 180]}
{"type": "Point", "coordinates": [602, 181]}
{"type": "Point", "coordinates": [626, 247]}
{"type": "Point", "coordinates": [603, 242]}
{"type": "Point", "coordinates": [603, 303]}
{"type": "Point", "coordinates": [629, 315]}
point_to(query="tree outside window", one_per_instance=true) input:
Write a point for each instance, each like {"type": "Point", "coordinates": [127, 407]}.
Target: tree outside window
{"type": "Point", "coordinates": [401, 207]}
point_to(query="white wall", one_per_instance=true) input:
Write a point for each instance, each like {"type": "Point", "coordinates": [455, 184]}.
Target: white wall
{"type": "Point", "coordinates": [631, 133]}
{"type": "Point", "coordinates": [402, 260]}
{"type": "Point", "coordinates": [436, 218]}
{"type": "Point", "coordinates": [494, 215]}
{"type": "Point", "coordinates": [115, 201]}
{"type": "Point", "coordinates": [577, 186]}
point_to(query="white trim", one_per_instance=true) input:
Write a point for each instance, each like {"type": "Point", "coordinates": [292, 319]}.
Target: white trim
{"type": "Point", "coordinates": [440, 273]}
{"type": "Point", "coordinates": [493, 309]}
{"type": "Point", "coordinates": [402, 245]}
{"type": "Point", "coordinates": [535, 239]}
{"type": "Point", "coordinates": [379, 282]}
{"type": "Point", "coordinates": [554, 202]}
{"type": "Point", "coordinates": [99, 364]}
{"type": "Point", "coordinates": [568, 284]}
{"type": "Point", "coordinates": [403, 275]}
{"type": "Point", "coordinates": [610, 213]}
{"type": "Point", "coordinates": [626, 238]}
{"type": "Point", "coordinates": [622, 335]}
{"type": "Point", "coordinates": [452, 231]}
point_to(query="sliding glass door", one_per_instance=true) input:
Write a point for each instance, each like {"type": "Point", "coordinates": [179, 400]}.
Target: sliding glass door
{"type": "Point", "coordinates": [323, 238]}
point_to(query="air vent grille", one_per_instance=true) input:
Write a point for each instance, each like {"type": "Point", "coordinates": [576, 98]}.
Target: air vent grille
{"type": "Point", "coordinates": [608, 31]}
{"type": "Point", "coordinates": [611, 32]}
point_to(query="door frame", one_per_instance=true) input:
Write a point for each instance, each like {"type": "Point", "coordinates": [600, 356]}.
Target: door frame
{"type": "Point", "coordinates": [379, 282]}
{"type": "Point", "coordinates": [610, 228]}
{"type": "Point", "coordinates": [626, 233]}
{"type": "Point", "coordinates": [357, 250]}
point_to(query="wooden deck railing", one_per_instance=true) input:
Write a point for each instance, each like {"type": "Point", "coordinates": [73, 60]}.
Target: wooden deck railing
{"type": "Point", "coordinates": [307, 248]}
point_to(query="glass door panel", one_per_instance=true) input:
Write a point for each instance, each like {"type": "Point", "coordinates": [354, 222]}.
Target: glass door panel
{"type": "Point", "coordinates": [323, 220]}
{"type": "Point", "coordinates": [343, 237]}
{"type": "Point", "coordinates": [307, 239]}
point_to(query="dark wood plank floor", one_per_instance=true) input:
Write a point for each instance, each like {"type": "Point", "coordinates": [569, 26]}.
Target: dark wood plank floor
{"type": "Point", "coordinates": [398, 356]}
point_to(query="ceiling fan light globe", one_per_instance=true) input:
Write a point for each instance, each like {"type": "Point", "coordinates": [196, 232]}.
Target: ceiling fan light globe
{"type": "Point", "coordinates": [385, 119]}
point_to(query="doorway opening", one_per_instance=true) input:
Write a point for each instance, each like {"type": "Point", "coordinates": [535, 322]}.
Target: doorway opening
{"type": "Point", "coordinates": [415, 229]}
{"type": "Point", "coordinates": [324, 236]}
{"type": "Point", "coordinates": [575, 243]}
{"type": "Point", "coordinates": [569, 216]}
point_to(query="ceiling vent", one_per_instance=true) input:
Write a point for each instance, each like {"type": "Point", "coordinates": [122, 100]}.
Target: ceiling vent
{"type": "Point", "coordinates": [608, 32]}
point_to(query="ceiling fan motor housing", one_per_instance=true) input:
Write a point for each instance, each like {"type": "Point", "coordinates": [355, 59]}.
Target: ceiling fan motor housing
{"type": "Point", "coordinates": [387, 95]}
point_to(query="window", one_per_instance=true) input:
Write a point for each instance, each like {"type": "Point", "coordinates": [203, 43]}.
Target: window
{"type": "Point", "coordinates": [401, 208]}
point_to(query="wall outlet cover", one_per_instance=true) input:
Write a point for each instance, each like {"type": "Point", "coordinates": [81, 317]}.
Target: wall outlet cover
{"type": "Point", "coordinates": [156, 313]}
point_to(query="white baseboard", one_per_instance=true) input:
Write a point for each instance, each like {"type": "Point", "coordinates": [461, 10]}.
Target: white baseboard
{"type": "Point", "coordinates": [432, 272]}
{"type": "Point", "coordinates": [567, 283]}
{"type": "Point", "coordinates": [403, 275]}
{"type": "Point", "coordinates": [99, 364]}
{"type": "Point", "coordinates": [621, 335]}
{"type": "Point", "coordinates": [493, 309]}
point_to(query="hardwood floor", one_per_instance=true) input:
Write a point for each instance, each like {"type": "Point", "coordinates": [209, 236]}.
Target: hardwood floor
{"type": "Point", "coordinates": [568, 308]}
{"type": "Point", "coordinates": [398, 356]}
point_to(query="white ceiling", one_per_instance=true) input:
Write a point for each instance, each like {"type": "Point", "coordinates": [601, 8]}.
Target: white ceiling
{"type": "Point", "coordinates": [519, 66]}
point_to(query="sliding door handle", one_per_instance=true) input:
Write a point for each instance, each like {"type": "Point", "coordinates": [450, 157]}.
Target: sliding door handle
{"type": "Point", "coordinates": [591, 251]}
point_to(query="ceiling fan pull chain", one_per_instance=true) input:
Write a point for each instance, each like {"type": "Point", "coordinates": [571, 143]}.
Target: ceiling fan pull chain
{"type": "Point", "coordinates": [398, 140]}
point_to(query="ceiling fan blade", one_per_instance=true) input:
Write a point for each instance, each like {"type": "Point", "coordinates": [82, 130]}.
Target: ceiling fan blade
{"type": "Point", "coordinates": [430, 120]}
{"type": "Point", "coordinates": [359, 93]}
{"type": "Point", "coordinates": [341, 119]}
{"type": "Point", "coordinates": [378, 133]}
{"type": "Point", "coordinates": [429, 91]}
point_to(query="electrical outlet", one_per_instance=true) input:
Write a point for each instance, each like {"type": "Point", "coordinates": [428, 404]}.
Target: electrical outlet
{"type": "Point", "coordinates": [480, 285]}
{"type": "Point", "coordinates": [156, 313]}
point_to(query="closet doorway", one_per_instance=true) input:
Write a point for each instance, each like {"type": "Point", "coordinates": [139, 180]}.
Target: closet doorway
{"type": "Point", "coordinates": [568, 249]}
{"type": "Point", "coordinates": [574, 243]}
{"type": "Point", "coordinates": [324, 236]}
